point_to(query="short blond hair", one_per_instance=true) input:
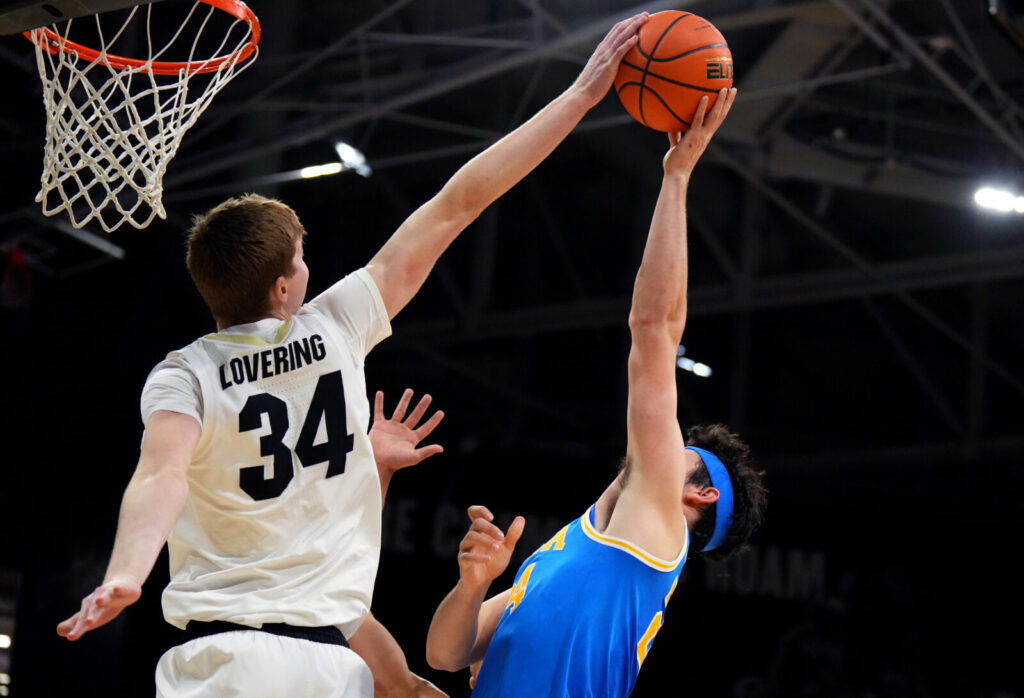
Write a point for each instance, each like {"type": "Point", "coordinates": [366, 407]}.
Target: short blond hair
{"type": "Point", "coordinates": [237, 250]}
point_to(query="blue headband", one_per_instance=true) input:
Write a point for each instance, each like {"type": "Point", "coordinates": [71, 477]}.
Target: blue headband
{"type": "Point", "coordinates": [720, 481]}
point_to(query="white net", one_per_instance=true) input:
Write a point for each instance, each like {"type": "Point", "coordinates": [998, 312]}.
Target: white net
{"type": "Point", "coordinates": [113, 124]}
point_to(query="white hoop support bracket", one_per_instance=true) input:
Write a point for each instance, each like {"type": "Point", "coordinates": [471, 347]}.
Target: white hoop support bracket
{"type": "Point", "coordinates": [114, 123]}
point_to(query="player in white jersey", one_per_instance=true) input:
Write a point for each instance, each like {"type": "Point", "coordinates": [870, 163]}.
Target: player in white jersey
{"type": "Point", "coordinates": [255, 466]}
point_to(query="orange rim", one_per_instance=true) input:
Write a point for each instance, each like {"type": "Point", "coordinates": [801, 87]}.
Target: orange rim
{"type": "Point", "coordinates": [54, 42]}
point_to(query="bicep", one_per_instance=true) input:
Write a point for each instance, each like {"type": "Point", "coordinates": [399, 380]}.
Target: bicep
{"type": "Point", "coordinates": [487, 623]}
{"type": "Point", "coordinates": [403, 263]}
{"type": "Point", "coordinates": [168, 442]}
{"type": "Point", "coordinates": [655, 442]}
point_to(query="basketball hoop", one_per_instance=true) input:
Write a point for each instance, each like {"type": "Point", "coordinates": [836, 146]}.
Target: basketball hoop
{"type": "Point", "coordinates": [114, 123]}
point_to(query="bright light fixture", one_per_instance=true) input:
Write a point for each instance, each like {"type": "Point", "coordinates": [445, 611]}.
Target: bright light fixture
{"type": "Point", "coordinates": [5, 678]}
{"type": "Point", "coordinates": [352, 159]}
{"type": "Point", "coordinates": [5, 642]}
{"type": "Point", "coordinates": [321, 170]}
{"type": "Point", "coordinates": [999, 200]}
{"type": "Point", "coordinates": [688, 364]}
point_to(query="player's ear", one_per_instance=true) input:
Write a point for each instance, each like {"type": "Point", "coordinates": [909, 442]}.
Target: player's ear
{"type": "Point", "coordinates": [700, 497]}
{"type": "Point", "coordinates": [278, 292]}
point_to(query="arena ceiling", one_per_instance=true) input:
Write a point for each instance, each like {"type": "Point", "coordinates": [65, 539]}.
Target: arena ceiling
{"type": "Point", "coordinates": [859, 313]}
{"type": "Point", "coordinates": [853, 302]}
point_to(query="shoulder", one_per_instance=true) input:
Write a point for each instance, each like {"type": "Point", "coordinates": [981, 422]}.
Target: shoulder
{"type": "Point", "coordinates": [635, 522]}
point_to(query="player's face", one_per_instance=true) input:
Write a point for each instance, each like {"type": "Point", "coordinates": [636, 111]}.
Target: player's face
{"type": "Point", "coordinates": [298, 280]}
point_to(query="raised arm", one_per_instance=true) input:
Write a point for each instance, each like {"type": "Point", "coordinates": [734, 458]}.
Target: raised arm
{"type": "Point", "coordinates": [464, 623]}
{"type": "Point", "coordinates": [655, 443]}
{"type": "Point", "coordinates": [402, 265]}
{"type": "Point", "coordinates": [152, 502]}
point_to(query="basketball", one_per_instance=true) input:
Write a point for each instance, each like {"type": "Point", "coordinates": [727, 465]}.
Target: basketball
{"type": "Point", "coordinates": [677, 59]}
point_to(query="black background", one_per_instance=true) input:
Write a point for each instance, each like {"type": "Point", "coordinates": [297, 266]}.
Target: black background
{"type": "Point", "coordinates": [882, 395]}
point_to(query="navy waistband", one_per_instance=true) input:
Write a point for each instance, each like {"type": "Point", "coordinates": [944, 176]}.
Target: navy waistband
{"type": "Point", "coordinates": [326, 634]}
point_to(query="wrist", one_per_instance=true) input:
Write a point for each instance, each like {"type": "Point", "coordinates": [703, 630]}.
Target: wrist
{"type": "Point", "coordinates": [472, 590]}
{"type": "Point", "coordinates": [578, 97]}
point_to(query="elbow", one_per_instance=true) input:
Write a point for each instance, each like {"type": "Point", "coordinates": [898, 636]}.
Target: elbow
{"type": "Point", "coordinates": [437, 662]}
{"type": "Point", "coordinates": [440, 660]}
{"type": "Point", "coordinates": [652, 323]}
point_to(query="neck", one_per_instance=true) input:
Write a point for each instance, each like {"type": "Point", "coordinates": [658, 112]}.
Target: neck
{"type": "Point", "coordinates": [223, 323]}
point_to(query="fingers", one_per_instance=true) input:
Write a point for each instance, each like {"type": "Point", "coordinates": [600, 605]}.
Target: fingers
{"type": "Point", "coordinates": [378, 406]}
{"type": "Point", "coordinates": [64, 627]}
{"type": "Point", "coordinates": [624, 34]}
{"type": "Point", "coordinates": [419, 410]}
{"type": "Point", "coordinates": [421, 454]}
{"type": "Point", "coordinates": [424, 430]}
{"type": "Point", "coordinates": [487, 528]}
{"type": "Point", "coordinates": [698, 115]}
{"type": "Point", "coordinates": [479, 512]}
{"type": "Point", "coordinates": [723, 104]}
{"type": "Point", "coordinates": [403, 404]}
{"type": "Point", "coordinates": [515, 530]}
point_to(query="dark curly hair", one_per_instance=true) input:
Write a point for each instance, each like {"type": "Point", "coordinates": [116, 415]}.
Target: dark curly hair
{"type": "Point", "coordinates": [749, 493]}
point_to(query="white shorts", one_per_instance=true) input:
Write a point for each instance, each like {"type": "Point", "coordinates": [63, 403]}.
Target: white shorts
{"type": "Point", "coordinates": [257, 664]}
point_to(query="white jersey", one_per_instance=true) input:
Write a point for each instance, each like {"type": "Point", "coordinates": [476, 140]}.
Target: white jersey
{"type": "Point", "coordinates": [282, 522]}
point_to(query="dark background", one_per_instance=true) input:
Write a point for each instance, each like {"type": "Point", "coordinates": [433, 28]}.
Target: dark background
{"type": "Point", "coordinates": [860, 315]}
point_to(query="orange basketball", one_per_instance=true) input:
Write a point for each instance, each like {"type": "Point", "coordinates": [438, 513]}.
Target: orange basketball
{"type": "Point", "coordinates": [678, 58]}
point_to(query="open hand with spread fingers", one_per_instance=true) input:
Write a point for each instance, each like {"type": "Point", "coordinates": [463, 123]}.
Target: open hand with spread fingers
{"type": "Point", "coordinates": [395, 439]}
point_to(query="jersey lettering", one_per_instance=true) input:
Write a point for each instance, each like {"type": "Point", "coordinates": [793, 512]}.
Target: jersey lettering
{"type": "Point", "coordinates": [519, 588]}
{"type": "Point", "coordinates": [327, 406]}
{"type": "Point", "coordinates": [557, 542]}
{"type": "Point", "coordinates": [644, 646]}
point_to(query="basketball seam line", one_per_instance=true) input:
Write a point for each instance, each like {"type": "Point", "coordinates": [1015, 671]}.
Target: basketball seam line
{"type": "Point", "coordinates": [640, 95]}
{"type": "Point", "coordinates": [665, 59]}
{"type": "Point", "coordinates": [710, 90]}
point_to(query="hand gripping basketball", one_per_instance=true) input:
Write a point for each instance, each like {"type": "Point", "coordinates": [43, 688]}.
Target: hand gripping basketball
{"type": "Point", "coordinates": [689, 146]}
{"type": "Point", "coordinates": [678, 58]}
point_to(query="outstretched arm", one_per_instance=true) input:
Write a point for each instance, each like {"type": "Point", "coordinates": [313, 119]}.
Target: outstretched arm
{"type": "Point", "coordinates": [656, 322]}
{"type": "Point", "coordinates": [464, 623]}
{"type": "Point", "coordinates": [395, 446]}
{"type": "Point", "coordinates": [402, 265]}
{"type": "Point", "coordinates": [152, 502]}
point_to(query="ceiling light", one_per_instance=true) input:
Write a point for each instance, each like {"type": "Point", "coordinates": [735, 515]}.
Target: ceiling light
{"type": "Point", "coordinates": [5, 641]}
{"type": "Point", "coordinates": [688, 364]}
{"type": "Point", "coordinates": [999, 200]}
{"type": "Point", "coordinates": [321, 170]}
{"type": "Point", "coordinates": [352, 159]}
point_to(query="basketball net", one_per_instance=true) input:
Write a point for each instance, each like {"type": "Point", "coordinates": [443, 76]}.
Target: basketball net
{"type": "Point", "coordinates": [113, 124]}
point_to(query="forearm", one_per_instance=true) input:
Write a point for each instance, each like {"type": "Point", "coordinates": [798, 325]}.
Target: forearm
{"type": "Point", "coordinates": [453, 632]}
{"type": "Point", "coordinates": [490, 174]}
{"type": "Point", "coordinates": [149, 508]}
{"type": "Point", "coordinates": [659, 293]}
{"type": "Point", "coordinates": [385, 480]}
{"type": "Point", "coordinates": [375, 645]}
{"type": "Point", "coordinates": [405, 261]}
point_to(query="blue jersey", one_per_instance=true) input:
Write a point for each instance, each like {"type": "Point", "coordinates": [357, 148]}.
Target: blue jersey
{"type": "Point", "coordinates": [581, 618]}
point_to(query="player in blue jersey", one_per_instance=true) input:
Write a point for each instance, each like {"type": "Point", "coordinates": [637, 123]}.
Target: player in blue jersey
{"type": "Point", "coordinates": [584, 609]}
